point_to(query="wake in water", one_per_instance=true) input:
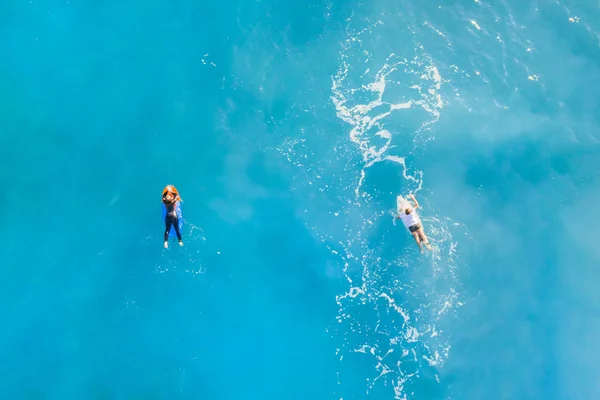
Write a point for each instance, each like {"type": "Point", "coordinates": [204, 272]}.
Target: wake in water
{"type": "Point", "coordinates": [393, 311]}
{"type": "Point", "coordinates": [191, 253]}
{"type": "Point", "coordinates": [405, 335]}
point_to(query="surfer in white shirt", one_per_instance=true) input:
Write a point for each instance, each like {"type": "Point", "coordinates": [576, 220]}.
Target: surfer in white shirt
{"type": "Point", "coordinates": [411, 221]}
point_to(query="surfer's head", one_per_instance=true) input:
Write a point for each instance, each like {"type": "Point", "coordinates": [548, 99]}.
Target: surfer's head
{"type": "Point", "coordinates": [407, 210]}
{"type": "Point", "coordinates": [168, 197]}
{"type": "Point", "coordinates": [170, 194]}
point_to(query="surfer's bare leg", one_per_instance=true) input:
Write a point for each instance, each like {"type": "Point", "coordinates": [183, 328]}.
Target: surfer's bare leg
{"type": "Point", "coordinates": [421, 232]}
{"type": "Point", "coordinates": [416, 236]}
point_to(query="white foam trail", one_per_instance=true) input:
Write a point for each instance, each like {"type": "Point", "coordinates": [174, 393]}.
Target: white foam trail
{"type": "Point", "coordinates": [363, 106]}
{"type": "Point", "coordinates": [363, 119]}
{"type": "Point", "coordinates": [387, 316]}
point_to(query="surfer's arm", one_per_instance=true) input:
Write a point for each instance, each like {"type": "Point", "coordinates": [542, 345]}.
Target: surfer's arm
{"type": "Point", "coordinates": [414, 200]}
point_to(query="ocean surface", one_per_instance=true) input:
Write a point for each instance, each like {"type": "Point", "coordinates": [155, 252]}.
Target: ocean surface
{"type": "Point", "coordinates": [289, 128]}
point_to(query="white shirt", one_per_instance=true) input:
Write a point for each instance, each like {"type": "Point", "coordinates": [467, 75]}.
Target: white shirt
{"type": "Point", "coordinates": [410, 219]}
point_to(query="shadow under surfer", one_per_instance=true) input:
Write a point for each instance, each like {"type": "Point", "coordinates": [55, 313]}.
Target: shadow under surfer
{"type": "Point", "coordinates": [171, 199]}
{"type": "Point", "coordinates": [412, 222]}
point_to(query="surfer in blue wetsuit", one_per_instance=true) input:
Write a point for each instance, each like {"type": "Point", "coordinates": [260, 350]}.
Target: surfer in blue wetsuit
{"type": "Point", "coordinates": [171, 199]}
{"type": "Point", "coordinates": [412, 222]}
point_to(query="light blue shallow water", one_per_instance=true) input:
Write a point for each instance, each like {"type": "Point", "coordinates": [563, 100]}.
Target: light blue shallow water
{"type": "Point", "coordinates": [289, 129]}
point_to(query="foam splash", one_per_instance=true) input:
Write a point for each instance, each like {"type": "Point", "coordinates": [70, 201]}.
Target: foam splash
{"type": "Point", "coordinates": [193, 237]}
{"type": "Point", "coordinates": [367, 120]}
{"type": "Point", "coordinates": [391, 316]}
{"type": "Point", "coordinates": [406, 333]}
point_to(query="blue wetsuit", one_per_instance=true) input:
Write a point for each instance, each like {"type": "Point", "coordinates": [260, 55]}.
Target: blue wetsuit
{"type": "Point", "coordinates": [171, 219]}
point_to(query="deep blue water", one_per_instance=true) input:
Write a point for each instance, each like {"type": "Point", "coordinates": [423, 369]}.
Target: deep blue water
{"type": "Point", "coordinates": [289, 129]}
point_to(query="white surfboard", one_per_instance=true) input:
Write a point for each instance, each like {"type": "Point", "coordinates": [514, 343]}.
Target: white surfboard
{"type": "Point", "coordinates": [401, 204]}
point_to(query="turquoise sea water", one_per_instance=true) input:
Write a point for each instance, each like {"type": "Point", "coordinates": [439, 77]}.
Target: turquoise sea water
{"type": "Point", "coordinates": [289, 129]}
